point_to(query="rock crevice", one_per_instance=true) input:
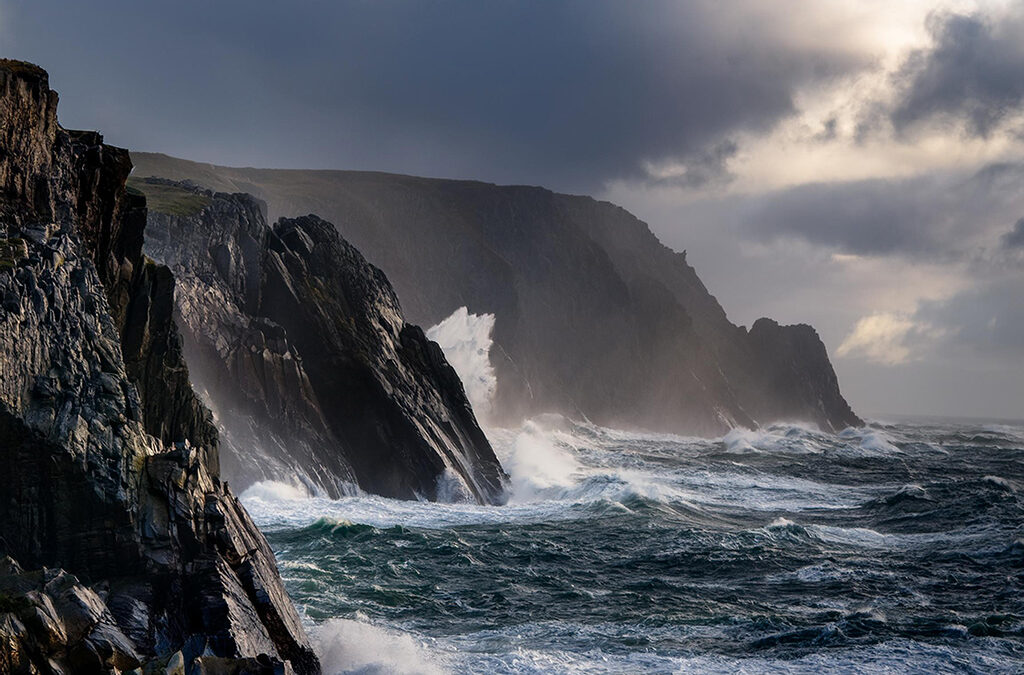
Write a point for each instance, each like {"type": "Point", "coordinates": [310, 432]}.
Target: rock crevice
{"type": "Point", "coordinates": [110, 459]}
{"type": "Point", "coordinates": [303, 352]}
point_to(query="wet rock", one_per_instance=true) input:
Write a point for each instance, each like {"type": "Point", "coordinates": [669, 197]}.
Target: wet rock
{"type": "Point", "coordinates": [110, 459]}
{"type": "Point", "coordinates": [304, 354]}
{"type": "Point", "coordinates": [50, 622]}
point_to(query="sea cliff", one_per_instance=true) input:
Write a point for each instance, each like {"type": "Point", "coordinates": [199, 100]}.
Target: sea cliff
{"type": "Point", "coordinates": [301, 349]}
{"type": "Point", "coordinates": [594, 317]}
{"type": "Point", "coordinates": [137, 553]}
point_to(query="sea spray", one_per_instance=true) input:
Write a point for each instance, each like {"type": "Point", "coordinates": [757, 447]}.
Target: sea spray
{"type": "Point", "coordinates": [351, 646]}
{"type": "Point", "coordinates": [466, 341]}
{"type": "Point", "coordinates": [538, 465]}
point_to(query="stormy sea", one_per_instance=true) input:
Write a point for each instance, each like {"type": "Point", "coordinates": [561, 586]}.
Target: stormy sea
{"type": "Point", "coordinates": [898, 547]}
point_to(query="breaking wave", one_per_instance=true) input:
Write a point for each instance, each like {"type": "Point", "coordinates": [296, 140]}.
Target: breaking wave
{"type": "Point", "coordinates": [466, 341]}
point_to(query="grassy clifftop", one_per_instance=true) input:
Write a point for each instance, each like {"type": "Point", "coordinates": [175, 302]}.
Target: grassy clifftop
{"type": "Point", "coordinates": [169, 199]}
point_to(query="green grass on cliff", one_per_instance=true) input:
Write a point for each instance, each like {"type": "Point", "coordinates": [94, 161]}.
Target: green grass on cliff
{"type": "Point", "coordinates": [169, 199]}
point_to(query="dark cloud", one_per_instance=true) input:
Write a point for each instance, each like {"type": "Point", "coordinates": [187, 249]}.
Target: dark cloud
{"type": "Point", "coordinates": [829, 130]}
{"type": "Point", "coordinates": [863, 217]}
{"type": "Point", "coordinates": [973, 72]}
{"type": "Point", "coordinates": [702, 168]}
{"type": "Point", "coordinates": [987, 318]}
{"type": "Point", "coordinates": [948, 216]}
{"type": "Point", "coordinates": [1015, 238]}
{"type": "Point", "coordinates": [568, 94]}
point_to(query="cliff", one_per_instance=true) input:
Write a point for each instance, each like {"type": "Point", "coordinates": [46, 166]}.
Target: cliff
{"type": "Point", "coordinates": [303, 353]}
{"type": "Point", "coordinates": [594, 316]}
{"type": "Point", "coordinates": [112, 488]}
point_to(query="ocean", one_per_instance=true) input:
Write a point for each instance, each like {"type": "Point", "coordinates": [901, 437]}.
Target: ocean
{"type": "Point", "coordinates": [896, 548]}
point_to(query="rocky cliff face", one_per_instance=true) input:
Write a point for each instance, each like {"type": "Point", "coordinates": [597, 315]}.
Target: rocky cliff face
{"type": "Point", "coordinates": [594, 316]}
{"type": "Point", "coordinates": [110, 461]}
{"type": "Point", "coordinates": [305, 357]}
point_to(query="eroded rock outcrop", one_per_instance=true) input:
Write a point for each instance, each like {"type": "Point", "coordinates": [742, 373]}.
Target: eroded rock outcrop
{"type": "Point", "coordinates": [270, 418]}
{"type": "Point", "coordinates": [110, 460]}
{"type": "Point", "coordinates": [303, 352]}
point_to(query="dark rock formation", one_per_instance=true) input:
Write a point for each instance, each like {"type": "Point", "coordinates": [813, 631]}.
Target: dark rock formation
{"type": "Point", "coordinates": [594, 316]}
{"type": "Point", "coordinates": [393, 398]}
{"type": "Point", "coordinates": [271, 422]}
{"type": "Point", "coordinates": [302, 350]}
{"type": "Point", "coordinates": [109, 459]}
{"type": "Point", "coordinates": [48, 617]}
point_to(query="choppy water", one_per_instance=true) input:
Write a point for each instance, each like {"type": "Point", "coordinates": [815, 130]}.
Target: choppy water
{"type": "Point", "coordinates": [897, 548]}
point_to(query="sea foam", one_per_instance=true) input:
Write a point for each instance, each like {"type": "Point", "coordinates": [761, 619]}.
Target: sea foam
{"type": "Point", "coordinates": [348, 646]}
{"type": "Point", "coordinates": [465, 339]}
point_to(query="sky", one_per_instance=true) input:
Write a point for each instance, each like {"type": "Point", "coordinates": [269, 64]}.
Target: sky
{"type": "Point", "coordinates": [853, 164]}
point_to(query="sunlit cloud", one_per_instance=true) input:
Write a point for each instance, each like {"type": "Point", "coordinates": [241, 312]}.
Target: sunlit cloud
{"type": "Point", "coordinates": [887, 338]}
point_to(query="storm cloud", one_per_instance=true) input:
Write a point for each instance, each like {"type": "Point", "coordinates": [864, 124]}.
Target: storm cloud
{"type": "Point", "coordinates": [972, 73]}
{"type": "Point", "coordinates": [988, 319]}
{"type": "Point", "coordinates": [939, 216]}
{"type": "Point", "coordinates": [985, 321]}
{"type": "Point", "coordinates": [853, 164]}
{"type": "Point", "coordinates": [568, 94]}
{"type": "Point", "coordinates": [1015, 238]}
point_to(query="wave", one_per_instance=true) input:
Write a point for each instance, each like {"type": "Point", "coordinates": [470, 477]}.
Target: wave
{"type": "Point", "coordinates": [783, 549]}
{"type": "Point", "coordinates": [465, 340]}
{"type": "Point", "coordinates": [561, 470]}
{"type": "Point", "coordinates": [800, 439]}
{"type": "Point", "coordinates": [270, 491]}
{"type": "Point", "coordinates": [538, 465]}
{"type": "Point", "coordinates": [777, 438]}
{"type": "Point", "coordinates": [865, 538]}
{"type": "Point", "coordinates": [357, 647]}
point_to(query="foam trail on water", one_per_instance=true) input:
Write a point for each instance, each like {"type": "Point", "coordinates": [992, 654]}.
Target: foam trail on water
{"type": "Point", "coordinates": [465, 340]}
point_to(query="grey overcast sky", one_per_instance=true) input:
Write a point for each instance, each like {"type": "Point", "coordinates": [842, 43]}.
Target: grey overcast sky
{"type": "Point", "coordinates": [853, 164]}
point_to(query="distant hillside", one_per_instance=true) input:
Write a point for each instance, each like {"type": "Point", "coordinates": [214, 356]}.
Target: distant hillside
{"type": "Point", "coordinates": [595, 317]}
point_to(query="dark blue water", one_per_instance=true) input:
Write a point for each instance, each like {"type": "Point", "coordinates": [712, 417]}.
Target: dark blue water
{"type": "Point", "coordinates": [897, 548]}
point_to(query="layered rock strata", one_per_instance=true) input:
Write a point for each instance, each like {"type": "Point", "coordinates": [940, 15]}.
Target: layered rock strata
{"type": "Point", "coordinates": [302, 350]}
{"type": "Point", "coordinates": [112, 488]}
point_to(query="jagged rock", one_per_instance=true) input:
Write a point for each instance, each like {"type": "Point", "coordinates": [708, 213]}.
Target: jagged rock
{"type": "Point", "coordinates": [110, 460]}
{"type": "Point", "coordinates": [278, 322]}
{"type": "Point", "coordinates": [594, 317]}
{"type": "Point", "coordinates": [394, 399]}
{"type": "Point", "coordinates": [270, 418]}
{"type": "Point", "coordinates": [50, 622]}
{"type": "Point", "coordinates": [796, 366]}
